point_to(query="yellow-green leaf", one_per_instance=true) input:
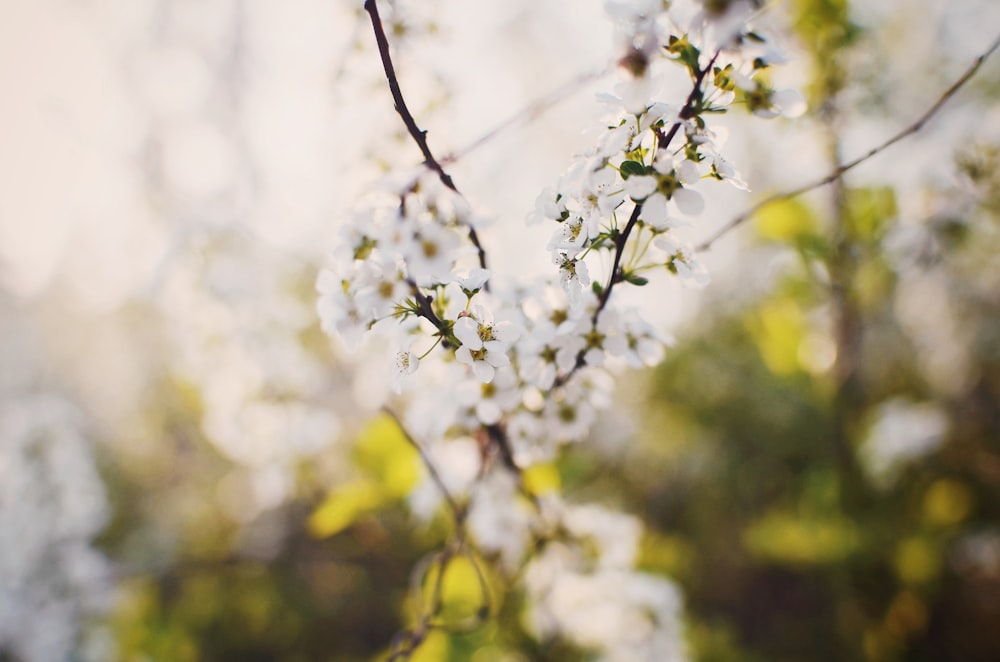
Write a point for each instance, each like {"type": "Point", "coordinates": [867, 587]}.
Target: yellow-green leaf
{"type": "Point", "coordinates": [343, 506]}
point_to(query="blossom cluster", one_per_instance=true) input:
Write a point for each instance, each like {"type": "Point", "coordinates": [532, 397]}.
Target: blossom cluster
{"type": "Point", "coordinates": [407, 267]}
{"type": "Point", "coordinates": [499, 374]}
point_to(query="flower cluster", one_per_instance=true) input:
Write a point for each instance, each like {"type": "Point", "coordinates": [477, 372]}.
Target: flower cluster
{"type": "Point", "coordinates": [509, 372]}
{"type": "Point", "coordinates": [582, 587]}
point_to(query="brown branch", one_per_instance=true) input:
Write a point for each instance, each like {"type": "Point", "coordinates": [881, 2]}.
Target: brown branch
{"type": "Point", "coordinates": [838, 172]}
{"type": "Point", "coordinates": [419, 135]}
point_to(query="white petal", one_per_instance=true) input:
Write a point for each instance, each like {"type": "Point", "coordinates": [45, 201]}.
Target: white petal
{"type": "Point", "coordinates": [484, 371]}
{"type": "Point", "coordinates": [497, 355]}
{"type": "Point", "coordinates": [467, 330]}
{"type": "Point", "coordinates": [463, 355]}
{"type": "Point", "coordinates": [654, 211]}
{"type": "Point", "coordinates": [640, 186]}
{"type": "Point", "coordinates": [688, 201]}
{"type": "Point", "coordinates": [687, 172]}
{"type": "Point", "coordinates": [506, 332]}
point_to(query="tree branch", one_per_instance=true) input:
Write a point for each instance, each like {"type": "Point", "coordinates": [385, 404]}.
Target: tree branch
{"type": "Point", "coordinates": [838, 172]}
{"type": "Point", "coordinates": [419, 135]}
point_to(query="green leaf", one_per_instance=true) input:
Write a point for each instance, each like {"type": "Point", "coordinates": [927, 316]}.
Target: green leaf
{"type": "Point", "coordinates": [343, 506]}
{"type": "Point", "coordinates": [634, 278]}
{"type": "Point", "coordinates": [387, 458]}
{"type": "Point", "coordinates": [629, 168]}
{"type": "Point", "coordinates": [686, 52]}
{"type": "Point", "coordinates": [790, 538]}
{"type": "Point", "coordinates": [869, 210]}
{"type": "Point", "coordinates": [786, 221]}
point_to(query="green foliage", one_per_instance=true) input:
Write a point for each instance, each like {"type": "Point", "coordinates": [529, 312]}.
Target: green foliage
{"type": "Point", "coordinates": [827, 32]}
{"type": "Point", "coordinates": [869, 213]}
{"type": "Point", "coordinates": [796, 550]}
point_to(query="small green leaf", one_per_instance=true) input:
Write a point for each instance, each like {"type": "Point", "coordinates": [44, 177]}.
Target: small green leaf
{"type": "Point", "coordinates": [634, 278]}
{"type": "Point", "coordinates": [869, 211]}
{"type": "Point", "coordinates": [629, 168]}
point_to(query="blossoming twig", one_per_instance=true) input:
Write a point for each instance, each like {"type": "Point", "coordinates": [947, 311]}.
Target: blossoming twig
{"type": "Point", "coordinates": [621, 240]}
{"type": "Point", "coordinates": [419, 135]}
{"type": "Point", "coordinates": [842, 169]}
{"type": "Point", "coordinates": [522, 371]}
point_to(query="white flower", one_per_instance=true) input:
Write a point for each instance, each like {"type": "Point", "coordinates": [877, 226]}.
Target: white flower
{"type": "Point", "coordinates": [484, 361]}
{"type": "Point", "coordinates": [474, 282]}
{"type": "Point", "coordinates": [598, 338]}
{"type": "Point", "coordinates": [548, 205]}
{"type": "Point", "coordinates": [478, 327]}
{"type": "Point", "coordinates": [681, 261]}
{"type": "Point", "coordinates": [432, 254]}
{"type": "Point", "coordinates": [573, 276]}
{"type": "Point", "coordinates": [484, 342]}
{"type": "Point", "coordinates": [570, 238]}
{"type": "Point", "coordinates": [619, 138]}
{"type": "Point", "coordinates": [598, 192]}
{"type": "Point", "coordinates": [404, 364]}
{"type": "Point", "coordinates": [642, 346]}
{"type": "Point", "coordinates": [568, 346]}
{"type": "Point", "coordinates": [490, 401]}
{"type": "Point", "coordinates": [567, 417]}
{"type": "Point", "coordinates": [338, 310]}
{"type": "Point", "coordinates": [724, 170]}
{"type": "Point", "coordinates": [537, 355]}
{"type": "Point", "coordinates": [380, 287]}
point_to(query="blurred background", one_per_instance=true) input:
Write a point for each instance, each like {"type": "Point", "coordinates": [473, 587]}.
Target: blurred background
{"type": "Point", "coordinates": [817, 461]}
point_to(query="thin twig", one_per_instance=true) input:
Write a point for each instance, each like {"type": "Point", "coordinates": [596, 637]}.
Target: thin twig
{"type": "Point", "coordinates": [407, 641]}
{"type": "Point", "coordinates": [840, 170]}
{"type": "Point", "coordinates": [457, 511]}
{"type": "Point", "coordinates": [419, 135]}
{"type": "Point", "coordinates": [663, 143]}
{"type": "Point", "coordinates": [528, 113]}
